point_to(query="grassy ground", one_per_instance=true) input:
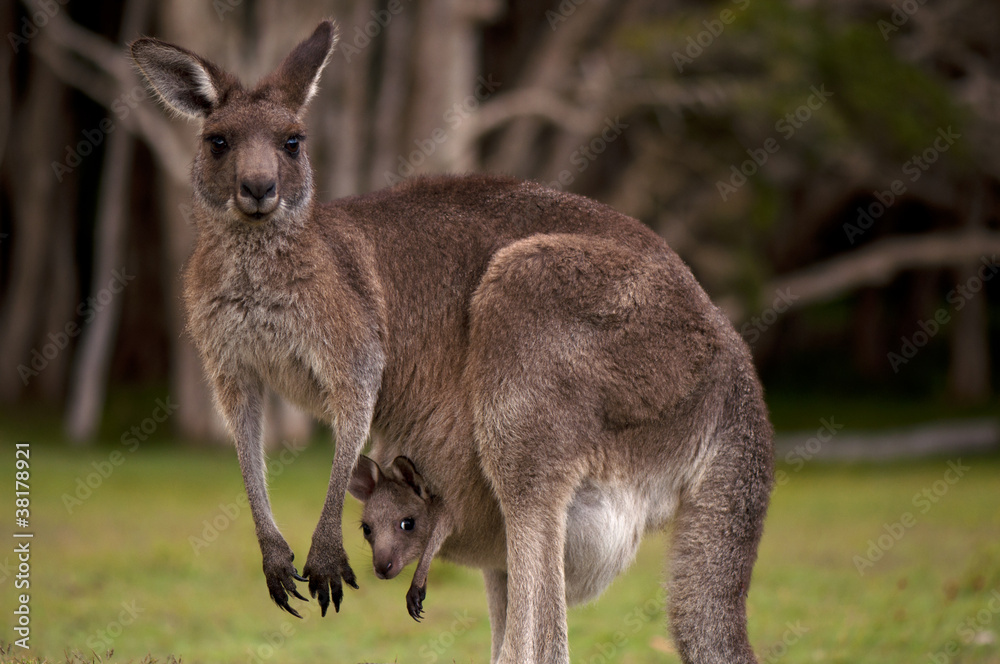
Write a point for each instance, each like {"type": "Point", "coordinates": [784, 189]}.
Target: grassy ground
{"type": "Point", "coordinates": [157, 558]}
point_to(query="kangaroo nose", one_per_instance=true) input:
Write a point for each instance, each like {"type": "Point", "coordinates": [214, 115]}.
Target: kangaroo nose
{"type": "Point", "coordinates": [382, 569]}
{"type": "Point", "coordinates": [259, 189]}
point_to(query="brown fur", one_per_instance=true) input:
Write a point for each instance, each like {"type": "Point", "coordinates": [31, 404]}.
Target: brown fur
{"type": "Point", "coordinates": [403, 521]}
{"type": "Point", "coordinates": [549, 364]}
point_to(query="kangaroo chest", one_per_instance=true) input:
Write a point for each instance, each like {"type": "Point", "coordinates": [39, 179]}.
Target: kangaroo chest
{"type": "Point", "coordinates": [247, 323]}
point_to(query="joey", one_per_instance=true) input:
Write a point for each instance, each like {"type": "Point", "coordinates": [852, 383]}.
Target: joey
{"type": "Point", "coordinates": [402, 521]}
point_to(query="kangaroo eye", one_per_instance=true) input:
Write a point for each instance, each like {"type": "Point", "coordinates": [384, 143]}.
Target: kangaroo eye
{"type": "Point", "coordinates": [406, 524]}
{"type": "Point", "coordinates": [217, 144]}
{"type": "Point", "coordinates": [366, 530]}
{"type": "Point", "coordinates": [292, 145]}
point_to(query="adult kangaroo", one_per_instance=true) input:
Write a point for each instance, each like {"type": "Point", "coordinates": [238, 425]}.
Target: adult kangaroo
{"type": "Point", "coordinates": [557, 353]}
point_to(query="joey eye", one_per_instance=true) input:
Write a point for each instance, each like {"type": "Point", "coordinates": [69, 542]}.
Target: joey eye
{"type": "Point", "coordinates": [406, 524]}
{"type": "Point", "coordinates": [292, 145]}
{"type": "Point", "coordinates": [217, 144]}
{"type": "Point", "coordinates": [366, 530]}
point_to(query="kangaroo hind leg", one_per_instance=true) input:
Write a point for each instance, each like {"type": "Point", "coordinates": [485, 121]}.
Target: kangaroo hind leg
{"type": "Point", "coordinates": [716, 532]}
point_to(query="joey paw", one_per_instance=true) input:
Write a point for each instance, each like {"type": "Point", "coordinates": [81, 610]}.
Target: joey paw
{"type": "Point", "coordinates": [415, 602]}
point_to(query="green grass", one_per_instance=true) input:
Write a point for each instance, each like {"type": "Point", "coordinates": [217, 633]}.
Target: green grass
{"type": "Point", "coordinates": [801, 411]}
{"type": "Point", "coordinates": [119, 572]}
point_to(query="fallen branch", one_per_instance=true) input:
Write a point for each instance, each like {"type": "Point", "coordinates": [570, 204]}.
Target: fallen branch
{"type": "Point", "coordinates": [532, 102]}
{"type": "Point", "coordinates": [877, 264]}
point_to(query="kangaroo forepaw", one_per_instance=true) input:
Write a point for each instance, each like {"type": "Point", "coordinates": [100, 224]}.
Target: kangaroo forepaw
{"type": "Point", "coordinates": [415, 602]}
{"type": "Point", "coordinates": [281, 576]}
{"type": "Point", "coordinates": [325, 573]}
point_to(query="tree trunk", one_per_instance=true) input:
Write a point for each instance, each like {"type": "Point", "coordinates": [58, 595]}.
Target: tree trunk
{"type": "Point", "coordinates": [550, 68]}
{"type": "Point", "coordinates": [390, 102]}
{"type": "Point", "coordinates": [60, 292]}
{"type": "Point", "coordinates": [969, 368]}
{"type": "Point", "coordinates": [31, 228]}
{"type": "Point", "coordinates": [350, 134]}
{"type": "Point", "coordinates": [6, 84]}
{"type": "Point", "coordinates": [196, 417]}
{"type": "Point", "coordinates": [868, 330]}
{"type": "Point", "coordinates": [89, 382]}
{"type": "Point", "coordinates": [285, 423]}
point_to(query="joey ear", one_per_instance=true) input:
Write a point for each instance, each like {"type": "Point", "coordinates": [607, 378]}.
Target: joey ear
{"type": "Point", "coordinates": [407, 473]}
{"type": "Point", "coordinates": [185, 82]}
{"type": "Point", "coordinates": [296, 80]}
{"type": "Point", "coordinates": [365, 477]}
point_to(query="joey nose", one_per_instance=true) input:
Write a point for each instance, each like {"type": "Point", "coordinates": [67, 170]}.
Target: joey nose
{"type": "Point", "coordinates": [383, 570]}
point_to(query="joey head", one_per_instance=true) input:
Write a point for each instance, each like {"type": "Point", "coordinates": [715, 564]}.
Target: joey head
{"type": "Point", "coordinates": [401, 520]}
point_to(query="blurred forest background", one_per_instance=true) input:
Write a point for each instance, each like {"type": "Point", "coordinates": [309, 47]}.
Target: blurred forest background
{"type": "Point", "coordinates": [830, 169]}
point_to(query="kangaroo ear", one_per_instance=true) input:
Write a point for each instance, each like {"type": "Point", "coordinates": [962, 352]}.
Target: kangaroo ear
{"type": "Point", "coordinates": [407, 473]}
{"type": "Point", "coordinates": [184, 82]}
{"type": "Point", "coordinates": [365, 477]}
{"type": "Point", "coordinates": [296, 80]}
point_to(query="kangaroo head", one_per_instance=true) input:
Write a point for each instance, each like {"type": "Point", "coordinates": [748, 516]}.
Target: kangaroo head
{"type": "Point", "coordinates": [396, 517]}
{"type": "Point", "coordinates": [251, 166]}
